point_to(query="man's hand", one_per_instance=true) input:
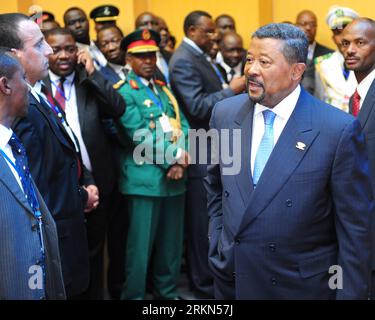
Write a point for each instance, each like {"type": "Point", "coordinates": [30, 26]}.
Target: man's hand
{"type": "Point", "coordinates": [184, 160]}
{"type": "Point", "coordinates": [176, 172]}
{"type": "Point", "coordinates": [93, 198]}
{"type": "Point", "coordinates": [83, 57]}
{"type": "Point", "coordinates": [238, 85]}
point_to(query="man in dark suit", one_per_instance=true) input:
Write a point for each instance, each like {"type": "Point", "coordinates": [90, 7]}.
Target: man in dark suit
{"type": "Point", "coordinates": [358, 46]}
{"type": "Point", "coordinates": [307, 21]}
{"type": "Point", "coordinates": [109, 41]}
{"type": "Point", "coordinates": [53, 154]}
{"type": "Point", "coordinates": [23, 226]}
{"type": "Point", "coordinates": [198, 87]}
{"type": "Point", "coordinates": [291, 218]}
{"type": "Point", "coordinates": [87, 99]}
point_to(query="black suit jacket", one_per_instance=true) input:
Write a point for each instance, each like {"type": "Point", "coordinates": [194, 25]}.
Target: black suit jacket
{"type": "Point", "coordinates": [97, 100]}
{"type": "Point", "coordinates": [309, 76]}
{"type": "Point", "coordinates": [366, 117]}
{"type": "Point", "coordinates": [53, 165]}
{"type": "Point", "coordinates": [197, 88]}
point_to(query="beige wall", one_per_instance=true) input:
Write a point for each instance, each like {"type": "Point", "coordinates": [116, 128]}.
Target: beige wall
{"type": "Point", "coordinates": [288, 10]}
{"type": "Point", "coordinates": [249, 14]}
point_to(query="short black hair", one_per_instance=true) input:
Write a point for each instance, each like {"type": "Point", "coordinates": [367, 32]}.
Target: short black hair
{"type": "Point", "coordinates": [113, 26]}
{"type": "Point", "coordinates": [295, 41]}
{"type": "Point", "coordinates": [9, 28]}
{"type": "Point", "coordinates": [73, 9]}
{"type": "Point", "coordinates": [9, 64]}
{"type": "Point", "coordinates": [58, 31]}
{"type": "Point", "coordinates": [192, 19]}
{"type": "Point", "coordinates": [224, 16]}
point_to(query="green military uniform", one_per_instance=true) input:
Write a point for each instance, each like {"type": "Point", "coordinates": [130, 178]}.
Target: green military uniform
{"type": "Point", "coordinates": [156, 205]}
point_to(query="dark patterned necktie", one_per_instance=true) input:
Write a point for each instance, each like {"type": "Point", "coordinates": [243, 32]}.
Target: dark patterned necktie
{"type": "Point", "coordinates": [356, 102]}
{"type": "Point", "coordinates": [60, 93]}
{"type": "Point", "coordinates": [19, 154]}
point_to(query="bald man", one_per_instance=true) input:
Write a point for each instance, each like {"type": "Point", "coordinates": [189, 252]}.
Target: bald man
{"type": "Point", "coordinates": [307, 21]}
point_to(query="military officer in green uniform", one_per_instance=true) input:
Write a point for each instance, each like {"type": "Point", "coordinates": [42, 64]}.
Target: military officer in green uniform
{"type": "Point", "coordinates": [152, 172]}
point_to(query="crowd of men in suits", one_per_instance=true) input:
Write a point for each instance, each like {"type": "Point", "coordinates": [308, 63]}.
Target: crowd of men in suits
{"type": "Point", "coordinates": [71, 106]}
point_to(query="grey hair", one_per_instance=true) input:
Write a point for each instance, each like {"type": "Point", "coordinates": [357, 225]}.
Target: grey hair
{"type": "Point", "coordinates": [295, 41]}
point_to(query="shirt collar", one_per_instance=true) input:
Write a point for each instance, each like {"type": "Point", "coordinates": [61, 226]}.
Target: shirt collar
{"type": "Point", "coordinates": [285, 107]}
{"type": "Point", "coordinates": [227, 68]}
{"type": "Point", "coordinates": [55, 78]}
{"type": "Point", "coordinates": [191, 43]}
{"type": "Point", "coordinates": [5, 135]}
{"type": "Point", "coordinates": [365, 84]}
{"type": "Point", "coordinates": [36, 90]}
{"type": "Point", "coordinates": [116, 67]}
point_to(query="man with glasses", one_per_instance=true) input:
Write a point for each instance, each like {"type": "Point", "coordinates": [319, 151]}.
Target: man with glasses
{"type": "Point", "coordinates": [307, 21]}
{"type": "Point", "coordinates": [86, 97]}
{"type": "Point", "coordinates": [198, 85]}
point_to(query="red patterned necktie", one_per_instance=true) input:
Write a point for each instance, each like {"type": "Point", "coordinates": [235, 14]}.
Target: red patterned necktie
{"type": "Point", "coordinates": [356, 99]}
{"type": "Point", "coordinates": [60, 93]}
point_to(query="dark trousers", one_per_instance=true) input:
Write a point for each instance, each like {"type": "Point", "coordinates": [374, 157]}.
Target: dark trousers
{"type": "Point", "coordinates": [96, 226]}
{"type": "Point", "coordinates": [116, 243]}
{"type": "Point", "coordinates": [200, 276]}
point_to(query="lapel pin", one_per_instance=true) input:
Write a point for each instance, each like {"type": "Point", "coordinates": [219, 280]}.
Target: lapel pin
{"type": "Point", "coordinates": [301, 146]}
{"type": "Point", "coordinates": [147, 103]}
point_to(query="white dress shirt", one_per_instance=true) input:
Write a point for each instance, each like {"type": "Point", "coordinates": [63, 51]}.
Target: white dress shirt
{"type": "Point", "coordinates": [71, 112]}
{"type": "Point", "coordinates": [364, 86]}
{"type": "Point", "coordinates": [237, 70]}
{"type": "Point", "coordinates": [120, 70]}
{"type": "Point", "coordinates": [283, 111]}
{"type": "Point", "coordinates": [5, 134]}
{"type": "Point", "coordinates": [310, 52]}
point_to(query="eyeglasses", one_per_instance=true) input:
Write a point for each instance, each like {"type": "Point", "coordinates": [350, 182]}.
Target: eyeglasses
{"type": "Point", "coordinates": [308, 24]}
{"type": "Point", "coordinates": [68, 49]}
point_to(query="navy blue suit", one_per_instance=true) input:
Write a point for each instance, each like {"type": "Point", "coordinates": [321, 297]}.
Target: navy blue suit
{"type": "Point", "coordinates": [366, 117]}
{"type": "Point", "coordinates": [311, 208]}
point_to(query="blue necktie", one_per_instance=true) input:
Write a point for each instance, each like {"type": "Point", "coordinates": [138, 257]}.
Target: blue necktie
{"type": "Point", "coordinates": [19, 154]}
{"type": "Point", "coordinates": [265, 146]}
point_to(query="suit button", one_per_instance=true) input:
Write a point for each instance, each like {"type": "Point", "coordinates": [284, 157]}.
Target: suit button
{"type": "Point", "coordinates": [288, 203]}
{"type": "Point", "coordinates": [272, 247]}
{"type": "Point", "coordinates": [238, 241]}
{"type": "Point", "coordinates": [273, 281]}
{"type": "Point", "coordinates": [38, 262]}
{"type": "Point", "coordinates": [226, 194]}
{"type": "Point", "coordinates": [233, 275]}
{"type": "Point", "coordinates": [34, 227]}
{"type": "Point", "coordinates": [72, 164]}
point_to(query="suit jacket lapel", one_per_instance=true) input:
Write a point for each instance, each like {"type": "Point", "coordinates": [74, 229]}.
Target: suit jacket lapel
{"type": "Point", "coordinates": [8, 179]}
{"type": "Point", "coordinates": [81, 95]}
{"type": "Point", "coordinates": [244, 180]}
{"type": "Point", "coordinates": [283, 160]}
{"type": "Point", "coordinates": [367, 105]}
{"type": "Point", "coordinates": [57, 128]}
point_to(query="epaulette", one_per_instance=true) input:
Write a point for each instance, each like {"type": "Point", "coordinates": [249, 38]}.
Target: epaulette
{"type": "Point", "coordinates": [160, 83]}
{"type": "Point", "coordinates": [119, 84]}
{"type": "Point", "coordinates": [323, 57]}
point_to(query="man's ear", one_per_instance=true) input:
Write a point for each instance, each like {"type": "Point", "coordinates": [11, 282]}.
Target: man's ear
{"type": "Point", "coordinates": [298, 70]}
{"type": "Point", "coordinates": [4, 86]}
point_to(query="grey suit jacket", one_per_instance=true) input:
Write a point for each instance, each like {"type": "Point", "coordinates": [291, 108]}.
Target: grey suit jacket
{"type": "Point", "coordinates": [20, 244]}
{"type": "Point", "coordinates": [197, 88]}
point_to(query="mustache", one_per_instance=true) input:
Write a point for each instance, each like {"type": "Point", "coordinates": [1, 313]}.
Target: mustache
{"type": "Point", "coordinates": [254, 80]}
